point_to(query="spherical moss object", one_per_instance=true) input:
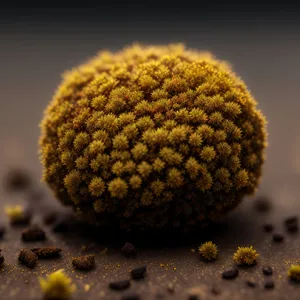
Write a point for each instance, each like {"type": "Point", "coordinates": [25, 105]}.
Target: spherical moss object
{"type": "Point", "coordinates": [152, 136]}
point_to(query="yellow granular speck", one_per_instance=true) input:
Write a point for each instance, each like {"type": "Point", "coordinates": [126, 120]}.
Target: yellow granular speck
{"type": "Point", "coordinates": [87, 287]}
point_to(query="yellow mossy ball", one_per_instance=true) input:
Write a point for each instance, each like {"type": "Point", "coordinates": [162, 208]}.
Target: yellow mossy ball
{"type": "Point", "coordinates": [245, 256]}
{"type": "Point", "coordinates": [152, 136]}
{"type": "Point", "coordinates": [208, 250]}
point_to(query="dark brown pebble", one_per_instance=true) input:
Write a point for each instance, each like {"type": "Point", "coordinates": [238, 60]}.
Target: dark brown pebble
{"type": "Point", "coordinates": [2, 231]}
{"type": "Point", "coordinates": [1, 258]}
{"type": "Point", "coordinates": [120, 285]}
{"type": "Point", "coordinates": [138, 273]}
{"type": "Point", "coordinates": [33, 234]}
{"type": "Point", "coordinates": [50, 218]}
{"type": "Point", "coordinates": [131, 296]}
{"type": "Point", "coordinates": [267, 271]}
{"type": "Point", "coordinates": [262, 204]}
{"type": "Point", "coordinates": [268, 227]}
{"type": "Point", "coordinates": [17, 180]}
{"type": "Point", "coordinates": [291, 224]}
{"type": "Point", "coordinates": [193, 297]}
{"type": "Point", "coordinates": [278, 237]}
{"type": "Point", "coordinates": [129, 250]}
{"type": "Point", "coordinates": [46, 252]}
{"type": "Point", "coordinates": [230, 273]}
{"type": "Point", "coordinates": [28, 258]}
{"type": "Point", "coordinates": [60, 226]}
{"type": "Point", "coordinates": [269, 285]}
{"type": "Point", "coordinates": [251, 283]}
{"type": "Point", "coordinates": [292, 219]}
{"type": "Point", "coordinates": [86, 262]}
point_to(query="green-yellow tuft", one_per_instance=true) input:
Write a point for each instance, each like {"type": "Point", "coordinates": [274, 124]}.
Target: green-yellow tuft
{"type": "Point", "coordinates": [245, 256]}
{"type": "Point", "coordinates": [14, 213]}
{"type": "Point", "coordinates": [294, 272]}
{"type": "Point", "coordinates": [148, 131]}
{"type": "Point", "coordinates": [57, 286]}
{"type": "Point", "coordinates": [208, 251]}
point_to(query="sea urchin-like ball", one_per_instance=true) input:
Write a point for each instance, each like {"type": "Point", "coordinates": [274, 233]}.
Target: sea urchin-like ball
{"type": "Point", "coordinates": [156, 136]}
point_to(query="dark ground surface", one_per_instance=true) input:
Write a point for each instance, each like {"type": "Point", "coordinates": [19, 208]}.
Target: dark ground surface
{"type": "Point", "coordinates": [269, 62]}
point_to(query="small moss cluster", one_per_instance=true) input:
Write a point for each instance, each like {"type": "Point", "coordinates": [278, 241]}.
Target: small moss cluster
{"type": "Point", "coordinates": [208, 251]}
{"type": "Point", "coordinates": [294, 272]}
{"type": "Point", "coordinates": [57, 286]}
{"type": "Point", "coordinates": [152, 136]}
{"type": "Point", "coordinates": [15, 213]}
{"type": "Point", "coordinates": [245, 256]}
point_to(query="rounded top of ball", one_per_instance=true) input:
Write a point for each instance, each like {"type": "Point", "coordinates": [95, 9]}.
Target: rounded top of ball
{"type": "Point", "coordinates": [152, 127]}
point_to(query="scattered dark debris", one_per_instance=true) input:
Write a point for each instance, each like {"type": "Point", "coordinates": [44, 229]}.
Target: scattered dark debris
{"type": "Point", "coordinates": [2, 231]}
{"type": "Point", "coordinates": [86, 262]}
{"type": "Point", "coordinates": [262, 204]}
{"type": "Point", "coordinates": [268, 227]}
{"type": "Point", "coordinates": [46, 252]}
{"type": "Point", "coordinates": [1, 258]}
{"type": "Point", "coordinates": [230, 273]}
{"type": "Point", "coordinates": [129, 250]}
{"type": "Point", "coordinates": [278, 237]}
{"type": "Point", "coordinates": [291, 224]}
{"type": "Point", "coordinates": [251, 283]}
{"type": "Point", "coordinates": [131, 296]}
{"type": "Point", "coordinates": [50, 218]}
{"type": "Point", "coordinates": [267, 271]}
{"type": "Point", "coordinates": [33, 234]}
{"type": "Point", "coordinates": [17, 180]}
{"type": "Point", "coordinates": [60, 226]}
{"type": "Point", "coordinates": [269, 284]}
{"type": "Point", "coordinates": [120, 285]}
{"type": "Point", "coordinates": [28, 258]}
{"type": "Point", "coordinates": [138, 273]}
{"type": "Point", "coordinates": [193, 297]}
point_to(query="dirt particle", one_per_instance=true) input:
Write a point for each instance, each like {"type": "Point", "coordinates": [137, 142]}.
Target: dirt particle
{"type": "Point", "coordinates": [138, 273]}
{"type": "Point", "coordinates": [129, 250]}
{"type": "Point", "coordinates": [171, 288]}
{"type": "Point", "coordinates": [17, 180]}
{"type": "Point", "coordinates": [278, 237]}
{"type": "Point", "coordinates": [33, 234]}
{"type": "Point", "coordinates": [46, 252]}
{"type": "Point", "coordinates": [291, 224]}
{"type": "Point", "coordinates": [28, 258]}
{"type": "Point", "coordinates": [119, 285]}
{"type": "Point", "coordinates": [86, 262]}
{"type": "Point", "coordinates": [251, 283]}
{"type": "Point", "coordinates": [267, 271]}
{"type": "Point", "coordinates": [1, 258]}
{"type": "Point", "coordinates": [230, 273]}
{"type": "Point", "coordinates": [262, 204]}
{"type": "Point", "coordinates": [2, 231]}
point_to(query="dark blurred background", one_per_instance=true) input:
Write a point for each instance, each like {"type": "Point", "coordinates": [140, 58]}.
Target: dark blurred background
{"type": "Point", "coordinates": [262, 41]}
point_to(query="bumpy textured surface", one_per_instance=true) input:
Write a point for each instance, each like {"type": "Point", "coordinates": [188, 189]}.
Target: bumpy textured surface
{"type": "Point", "coordinates": [152, 137]}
